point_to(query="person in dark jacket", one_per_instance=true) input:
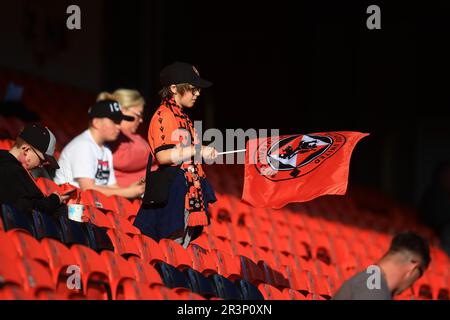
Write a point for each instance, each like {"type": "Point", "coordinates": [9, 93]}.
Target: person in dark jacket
{"type": "Point", "coordinates": [34, 147]}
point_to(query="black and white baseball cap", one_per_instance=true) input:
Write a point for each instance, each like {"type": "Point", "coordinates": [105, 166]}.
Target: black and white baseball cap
{"type": "Point", "coordinates": [108, 109]}
{"type": "Point", "coordinates": [42, 139]}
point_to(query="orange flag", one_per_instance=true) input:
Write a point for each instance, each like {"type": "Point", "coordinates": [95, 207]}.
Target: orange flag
{"type": "Point", "coordinates": [297, 168]}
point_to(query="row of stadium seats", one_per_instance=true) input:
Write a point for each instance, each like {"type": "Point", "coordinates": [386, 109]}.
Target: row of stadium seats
{"type": "Point", "coordinates": [57, 105]}
{"type": "Point", "coordinates": [301, 252]}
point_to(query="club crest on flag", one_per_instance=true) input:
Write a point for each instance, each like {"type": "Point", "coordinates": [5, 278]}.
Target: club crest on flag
{"type": "Point", "coordinates": [290, 157]}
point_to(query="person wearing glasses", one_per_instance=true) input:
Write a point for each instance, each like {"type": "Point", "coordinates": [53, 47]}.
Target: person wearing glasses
{"type": "Point", "coordinates": [177, 194]}
{"type": "Point", "coordinates": [87, 162]}
{"type": "Point", "coordinates": [33, 148]}
{"type": "Point", "coordinates": [404, 263]}
{"type": "Point", "coordinates": [130, 150]}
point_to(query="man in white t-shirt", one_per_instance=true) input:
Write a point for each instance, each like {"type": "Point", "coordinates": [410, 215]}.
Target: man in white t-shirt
{"type": "Point", "coordinates": [87, 163]}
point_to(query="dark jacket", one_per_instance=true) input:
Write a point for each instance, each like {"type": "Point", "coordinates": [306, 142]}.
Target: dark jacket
{"type": "Point", "coordinates": [18, 190]}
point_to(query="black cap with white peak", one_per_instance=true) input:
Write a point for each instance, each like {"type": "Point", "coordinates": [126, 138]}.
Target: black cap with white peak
{"type": "Point", "coordinates": [42, 139]}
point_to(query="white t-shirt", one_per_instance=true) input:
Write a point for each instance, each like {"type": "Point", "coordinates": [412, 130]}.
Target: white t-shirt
{"type": "Point", "coordinates": [84, 158]}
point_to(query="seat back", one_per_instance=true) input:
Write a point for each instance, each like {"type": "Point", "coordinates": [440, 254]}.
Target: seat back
{"type": "Point", "coordinates": [98, 238]}
{"type": "Point", "coordinates": [224, 288]}
{"type": "Point", "coordinates": [15, 219]}
{"type": "Point", "coordinates": [171, 276]}
{"type": "Point", "coordinates": [46, 226]}
{"type": "Point", "coordinates": [248, 291]}
{"type": "Point", "coordinates": [199, 283]}
{"type": "Point", "coordinates": [73, 232]}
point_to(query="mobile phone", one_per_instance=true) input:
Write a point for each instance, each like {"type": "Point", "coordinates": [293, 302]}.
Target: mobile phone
{"type": "Point", "coordinates": [69, 192]}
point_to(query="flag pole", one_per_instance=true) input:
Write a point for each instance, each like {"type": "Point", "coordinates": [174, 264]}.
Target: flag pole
{"type": "Point", "coordinates": [233, 151]}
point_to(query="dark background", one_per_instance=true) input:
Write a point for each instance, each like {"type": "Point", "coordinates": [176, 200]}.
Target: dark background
{"type": "Point", "coordinates": [300, 66]}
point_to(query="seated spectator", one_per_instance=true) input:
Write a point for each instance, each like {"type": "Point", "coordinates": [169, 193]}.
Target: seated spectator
{"type": "Point", "coordinates": [34, 147]}
{"type": "Point", "coordinates": [129, 169]}
{"type": "Point", "coordinates": [86, 162]}
{"type": "Point", "coordinates": [435, 205]}
{"type": "Point", "coordinates": [405, 262]}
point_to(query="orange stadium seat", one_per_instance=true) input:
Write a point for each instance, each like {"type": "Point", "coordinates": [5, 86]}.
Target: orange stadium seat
{"type": "Point", "coordinates": [227, 265]}
{"type": "Point", "coordinates": [123, 243]}
{"type": "Point", "coordinates": [93, 271]}
{"type": "Point", "coordinates": [175, 254]}
{"type": "Point", "coordinates": [202, 261]}
{"type": "Point", "coordinates": [97, 217]}
{"type": "Point", "coordinates": [120, 272]}
{"type": "Point", "coordinates": [122, 224]}
{"type": "Point", "coordinates": [144, 272]}
{"type": "Point", "coordinates": [28, 247]}
{"type": "Point", "coordinates": [148, 249]}
{"type": "Point", "coordinates": [270, 293]}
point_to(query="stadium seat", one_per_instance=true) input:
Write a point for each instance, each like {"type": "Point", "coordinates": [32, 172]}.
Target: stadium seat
{"type": "Point", "coordinates": [175, 254]}
{"type": "Point", "coordinates": [198, 283]}
{"type": "Point", "coordinates": [8, 269]}
{"type": "Point", "coordinates": [224, 288]}
{"type": "Point", "coordinates": [98, 238]}
{"type": "Point", "coordinates": [93, 271]}
{"type": "Point", "coordinates": [321, 285]}
{"type": "Point", "coordinates": [262, 223]}
{"type": "Point", "coordinates": [202, 261]}
{"type": "Point", "coordinates": [289, 294]}
{"type": "Point", "coordinates": [171, 276]}
{"type": "Point", "coordinates": [97, 217]}
{"type": "Point", "coordinates": [251, 271]}
{"type": "Point", "coordinates": [15, 219]}
{"type": "Point", "coordinates": [220, 230]}
{"type": "Point", "coordinates": [119, 271]}
{"type": "Point", "coordinates": [322, 247]}
{"type": "Point", "coordinates": [47, 185]}
{"type": "Point", "coordinates": [97, 199]}
{"type": "Point", "coordinates": [45, 226]}
{"type": "Point", "coordinates": [342, 255]}
{"type": "Point", "coordinates": [129, 289]}
{"type": "Point", "coordinates": [148, 249]}
{"type": "Point", "coordinates": [122, 224]}
{"type": "Point", "coordinates": [227, 265]}
{"type": "Point", "coordinates": [269, 292]}
{"type": "Point", "coordinates": [60, 258]}
{"type": "Point", "coordinates": [73, 232]}
{"type": "Point", "coordinates": [187, 295]}
{"type": "Point", "coordinates": [28, 247]}
{"type": "Point", "coordinates": [241, 236]}
{"type": "Point", "coordinates": [222, 245]}
{"type": "Point", "coordinates": [202, 241]}
{"type": "Point", "coordinates": [248, 291]}
{"type": "Point", "coordinates": [274, 276]}
{"type": "Point", "coordinates": [243, 250]}
{"type": "Point", "coordinates": [7, 248]}
{"type": "Point", "coordinates": [35, 278]}
{"type": "Point", "coordinates": [6, 144]}
{"type": "Point", "coordinates": [262, 240]}
{"type": "Point", "coordinates": [298, 280]}
{"type": "Point", "coordinates": [14, 292]}
{"type": "Point", "coordinates": [144, 272]}
{"type": "Point", "coordinates": [123, 244]}
{"type": "Point", "coordinates": [124, 207]}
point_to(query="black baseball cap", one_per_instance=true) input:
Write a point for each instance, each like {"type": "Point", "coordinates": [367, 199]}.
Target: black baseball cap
{"type": "Point", "coordinates": [42, 139]}
{"type": "Point", "coordinates": [108, 109]}
{"type": "Point", "coordinates": [181, 72]}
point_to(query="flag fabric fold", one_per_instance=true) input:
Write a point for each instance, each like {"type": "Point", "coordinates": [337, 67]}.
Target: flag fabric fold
{"type": "Point", "coordinates": [297, 168]}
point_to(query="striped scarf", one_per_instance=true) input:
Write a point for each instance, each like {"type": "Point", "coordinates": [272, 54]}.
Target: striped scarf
{"type": "Point", "coordinates": [194, 203]}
